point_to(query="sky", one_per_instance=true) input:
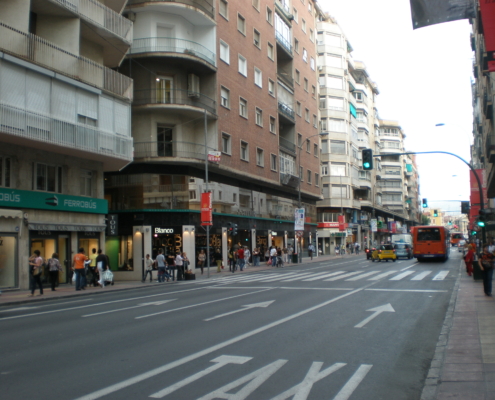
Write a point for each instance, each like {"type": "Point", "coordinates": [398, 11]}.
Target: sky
{"type": "Point", "coordinates": [424, 78]}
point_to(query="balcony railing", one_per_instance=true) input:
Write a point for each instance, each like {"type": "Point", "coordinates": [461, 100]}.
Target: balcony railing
{"type": "Point", "coordinates": [165, 188]}
{"type": "Point", "coordinates": [286, 110]}
{"type": "Point", "coordinates": [174, 97]}
{"type": "Point", "coordinates": [99, 14]}
{"type": "Point", "coordinates": [22, 123]}
{"type": "Point", "coordinates": [170, 149]}
{"type": "Point", "coordinates": [284, 42]}
{"type": "Point", "coordinates": [41, 52]}
{"type": "Point", "coordinates": [172, 45]}
{"type": "Point", "coordinates": [287, 145]}
{"type": "Point", "coordinates": [203, 5]}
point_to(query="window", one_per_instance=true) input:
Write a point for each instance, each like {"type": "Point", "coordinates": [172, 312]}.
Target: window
{"type": "Point", "coordinates": [257, 39]}
{"type": "Point", "coordinates": [234, 197]}
{"type": "Point", "coordinates": [258, 77]}
{"type": "Point", "coordinates": [335, 82]}
{"type": "Point", "coordinates": [269, 16]}
{"type": "Point", "coordinates": [313, 91]}
{"type": "Point", "coordinates": [226, 144]}
{"type": "Point", "coordinates": [224, 52]}
{"type": "Point", "coordinates": [308, 145]}
{"type": "Point", "coordinates": [296, 45]}
{"type": "Point", "coordinates": [219, 195]}
{"type": "Point", "coordinates": [323, 102]}
{"type": "Point", "coordinates": [306, 84]}
{"type": "Point", "coordinates": [271, 51]}
{"type": "Point", "coordinates": [332, 39]}
{"type": "Point", "coordinates": [298, 108]}
{"type": "Point", "coordinates": [336, 125]}
{"type": "Point", "coordinates": [224, 9]}
{"type": "Point", "coordinates": [303, 25]}
{"type": "Point", "coordinates": [324, 146]}
{"type": "Point", "coordinates": [336, 103]}
{"type": "Point", "coordinates": [260, 157]}
{"type": "Point", "coordinates": [287, 164]}
{"type": "Point", "coordinates": [324, 124]}
{"type": "Point", "coordinates": [312, 63]}
{"type": "Point", "coordinates": [241, 24]}
{"type": "Point", "coordinates": [333, 60]}
{"type": "Point", "coordinates": [311, 35]}
{"type": "Point", "coordinates": [298, 77]}
{"type": "Point", "coordinates": [192, 195]}
{"type": "Point", "coordinates": [315, 121]}
{"type": "Point", "coordinates": [310, 7]}
{"type": "Point", "coordinates": [85, 179]}
{"type": "Point", "coordinates": [306, 115]}
{"type": "Point", "coordinates": [317, 179]}
{"type": "Point", "coordinates": [295, 14]}
{"type": "Point", "coordinates": [324, 169]}
{"type": "Point", "coordinates": [339, 191]}
{"type": "Point", "coordinates": [225, 97]}
{"type": "Point", "coordinates": [47, 178]}
{"type": "Point", "coordinates": [358, 96]}
{"type": "Point", "coordinates": [244, 151]}
{"type": "Point", "coordinates": [259, 117]}
{"type": "Point", "coordinates": [271, 87]}
{"type": "Point", "coordinates": [338, 169]}
{"type": "Point", "coordinates": [272, 124]}
{"type": "Point", "coordinates": [299, 140]}
{"type": "Point", "coordinates": [338, 147]}
{"type": "Point", "coordinates": [273, 162]}
{"type": "Point", "coordinates": [243, 108]}
{"type": "Point", "coordinates": [305, 55]}
{"type": "Point", "coordinates": [309, 176]}
{"type": "Point", "coordinates": [315, 150]}
{"type": "Point", "coordinates": [256, 4]}
{"type": "Point", "coordinates": [242, 65]}
{"type": "Point", "coordinates": [5, 172]}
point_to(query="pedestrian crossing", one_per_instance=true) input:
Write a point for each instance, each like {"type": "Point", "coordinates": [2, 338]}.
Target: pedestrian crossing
{"type": "Point", "coordinates": [353, 276]}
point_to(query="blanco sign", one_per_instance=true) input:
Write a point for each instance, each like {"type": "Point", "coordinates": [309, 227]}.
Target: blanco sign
{"type": "Point", "coordinates": [164, 230]}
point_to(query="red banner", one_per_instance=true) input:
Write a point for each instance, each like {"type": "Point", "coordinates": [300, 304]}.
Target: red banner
{"type": "Point", "coordinates": [341, 223]}
{"type": "Point", "coordinates": [328, 224]}
{"type": "Point", "coordinates": [475, 194]}
{"type": "Point", "coordinates": [487, 9]}
{"type": "Point", "coordinates": [206, 209]}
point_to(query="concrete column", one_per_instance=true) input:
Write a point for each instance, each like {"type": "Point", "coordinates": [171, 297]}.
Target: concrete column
{"type": "Point", "coordinates": [253, 240]}
{"type": "Point", "coordinates": [225, 247]}
{"type": "Point", "coordinates": [189, 245]}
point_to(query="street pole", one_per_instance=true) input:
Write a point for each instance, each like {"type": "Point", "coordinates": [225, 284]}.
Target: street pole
{"type": "Point", "coordinates": [206, 191]}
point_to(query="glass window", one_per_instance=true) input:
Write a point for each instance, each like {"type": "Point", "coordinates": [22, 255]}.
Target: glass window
{"type": "Point", "coordinates": [309, 176]}
{"type": "Point", "coordinates": [224, 9]}
{"type": "Point", "coordinates": [273, 162]}
{"type": "Point", "coordinates": [271, 87]}
{"type": "Point", "coordinates": [338, 169]}
{"type": "Point", "coordinates": [86, 178]}
{"type": "Point", "coordinates": [258, 77]}
{"type": "Point", "coordinates": [324, 146]}
{"type": "Point", "coordinates": [333, 39]}
{"type": "Point", "coordinates": [243, 108]}
{"type": "Point", "coordinates": [224, 52]}
{"type": "Point", "coordinates": [270, 51]}
{"type": "Point", "coordinates": [226, 143]}
{"type": "Point", "coordinates": [336, 125]}
{"type": "Point", "coordinates": [269, 16]}
{"type": "Point", "coordinates": [225, 97]}
{"type": "Point", "coordinates": [259, 117]}
{"type": "Point", "coordinates": [317, 179]}
{"type": "Point", "coordinates": [260, 158]}
{"type": "Point", "coordinates": [5, 172]}
{"type": "Point", "coordinates": [242, 65]}
{"type": "Point", "coordinates": [272, 124]}
{"type": "Point", "coordinates": [336, 103]}
{"type": "Point", "coordinates": [312, 63]}
{"type": "Point", "coordinates": [334, 82]}
{"type": "Point", "coordinates": [338, 147]}
{"type": "Point", "coordinates": [47, 178]}
{"type": "Point", "coordinates": [241, 24]}
{"type": "Point", "coordinates": [305, 55]}
{"type": "Point", "coordinates": [244, 151]}
{"type": "Point", "coordinates": [257, 38]}
{"type": "Point", "coordinates": [339, 191]}
{"type": "Point", "coordinates": [324, 168]}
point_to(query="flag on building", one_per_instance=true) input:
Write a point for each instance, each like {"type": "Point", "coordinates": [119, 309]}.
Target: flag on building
{"type": "Point", "coordinates": [430, 12]}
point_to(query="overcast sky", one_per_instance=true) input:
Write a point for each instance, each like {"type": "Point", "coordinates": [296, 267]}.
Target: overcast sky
{"type": "Point", "coordinates": [424, 78]}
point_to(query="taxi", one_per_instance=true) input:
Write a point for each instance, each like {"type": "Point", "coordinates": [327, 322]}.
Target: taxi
{"type": "Point", "coordinates": [384, 252]}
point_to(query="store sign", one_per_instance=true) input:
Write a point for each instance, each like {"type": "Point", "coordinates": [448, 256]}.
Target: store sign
{"type": "Point", "coordinates": [51, 201]}
{"type": "Point", "coordinates": [328, 225]}
{"type": "Point", "coordinates": [214, 156]}
{"type": "Point", "coordinates": [274, 233]}
{"type": "Point", "coordinates": [112, 224]}
{"type": "Point", "coordinates": [206, 209]}
{"type": "Point", "coordinates": [164, 230]}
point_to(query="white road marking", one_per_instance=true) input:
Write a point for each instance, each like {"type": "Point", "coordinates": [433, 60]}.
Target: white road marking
{"type": "Point", "coordinates": [356, 278]}
{"type": "Point", "coordinates": [166, 367]}
{"type": "Point", "coordinates": [99, 304]}
{"type": "Point", "coordinates": [353, 383]}
{"type": "Point", "coordinates": [257, 378]}
{"type": "Point", "coordinates": [245, 308]}
{"type": "Point", "coordinates": [324, 276]}
{"type": "Point", "coordinates": [220, 362]}
{"type": "Point", "coordinates": [311, 288]}
{"type": "Point", "coordinates": [303, 277]}
{"type": "Point", "coordinates": [279, 277]}
{"type": "Point", "coordinates": [19, 309]}
{"type": "Point", "coordinates": [412, 265]}
{"type": "Point", "coordinates": [403, 275]}
{"type": "Point", "coordinates": [376, 312]}
{"type": "Point", "coordinates": [300, 276]}
{"type": "Point", "coordinates": [201, 304]}
{"type": "Point", "coordinates": [440, 276]}
{"type": "Point", "coordinates": [336, 278]}
{"type": "Point", "coordinates": [409, 290]}
{"type": "Point", "coordinates": [155, 303]}
{"type": "Point", "coordinates": [421, 275]}
{"type": "Point", "coordinates": [385, 274]}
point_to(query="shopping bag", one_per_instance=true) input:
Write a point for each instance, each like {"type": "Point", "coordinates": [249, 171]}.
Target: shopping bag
{"type": "Point", "coordinates": [108, 276]}
{"type": "Point", "coordinates": [269, 262]}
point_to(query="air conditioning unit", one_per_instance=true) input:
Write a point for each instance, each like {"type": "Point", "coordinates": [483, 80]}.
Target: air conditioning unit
{"type": "Point", "coordinates": [193, 85]}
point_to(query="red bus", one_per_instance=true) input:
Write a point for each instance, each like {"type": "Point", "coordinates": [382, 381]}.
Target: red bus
{"type": "Point", "coordinates": [431, 242]}
{"type": "Point", "coordinates": [455, 238]}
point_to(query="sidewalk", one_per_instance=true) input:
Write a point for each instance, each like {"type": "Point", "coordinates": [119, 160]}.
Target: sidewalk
{"type": "Point", "coordinates": [464, 363]}
{"type": "Point", "coordinates": [11, 297]}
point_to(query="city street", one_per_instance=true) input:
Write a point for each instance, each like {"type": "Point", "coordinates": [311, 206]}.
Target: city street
{"type": "Point", "coordinates": [345, 328]}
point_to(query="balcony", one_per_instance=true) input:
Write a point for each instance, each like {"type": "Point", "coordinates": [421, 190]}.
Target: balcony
{"type": "Point", "coordinates": [287, 145]}
{"type": "Point", "coordinates": [284, 43]}
{"type": "Point", "coordinates": [203, 5]}
{"type": "Point", "coordinates": [172, 149]}
{"type": "Point", "coordinates": [45, 54]}
{"type": "Point", "coordinates": [173, 45]}
{"type": "Point", "coordinates": [20, 126]}
{"type": "Point", "coordinates": [172, 98]}
{"type": "Point", "coordinates": [286, 111]}
{"type": "Point", "coordinates": [490, 148]}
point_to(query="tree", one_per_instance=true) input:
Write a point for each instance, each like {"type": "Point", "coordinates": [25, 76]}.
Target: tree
{"type": "Point", "coordinates": [425, 220]}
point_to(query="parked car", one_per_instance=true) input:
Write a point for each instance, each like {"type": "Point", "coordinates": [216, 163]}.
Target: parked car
{"type": "Point", "coordinates": [384, 252]}
{"type": "Point", "coordinates": [368, 252]}
{"type": "Point", "coordinates": [460, 246]}
{"type": "Point", "coordinates": [403, 250]}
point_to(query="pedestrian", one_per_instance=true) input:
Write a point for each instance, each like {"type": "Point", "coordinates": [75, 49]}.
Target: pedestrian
{"type": "Point", "coordinates": [247, 256]}
{"type": "Point", "coordinates": [218, 260]}
{"type": "Point", "coordinates": [285, 254]}
{"type": "Point", "coordinates": [171, 266]}
{"type": "Point", "coordinates": [279, 257]}
{"type": "Point", "coordinates": [240, 258]}
{"type": "Point", "coordinates": [491, 248]}
{"type": "Point", "coordinates": [486, 264]}
{"type": "Point", "coordinates": [92, 267]}
{"type": "Point", "coordinates": [78, 263]}
{"type": "Point", "coordinates": [179, 265]}
{"type": "Point", "coordinates": [311, 249]}
{"type": "Point", "coordinates": [273, 256]}
{"type": "Point", "coordinates": [468, 259]}
{"type": "Point", "coordinates": [54, 267]}
{"type": "Point", "coordinates": [337, 249]}
{"type": "Point", "coordinates": [231, 260]}
{"type": "Point", "coordinates": [36, 270]}
{"type": "Point", "coordinates": [102, 264]}
{"type": "Point", "coordinates": [201, 260]}
{"type": "Point", "coordinates": [160, 262]}
{"type": "Point", "coordinates": [148, 268]}
{"type": "Point", "coordinates": [256, 257]}
{"type": "Point", "coordinates": [185, 262]}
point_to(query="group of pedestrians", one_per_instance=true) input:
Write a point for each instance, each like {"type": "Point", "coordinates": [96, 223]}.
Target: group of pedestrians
{"type": "Point", "coordinates": [168, 267]}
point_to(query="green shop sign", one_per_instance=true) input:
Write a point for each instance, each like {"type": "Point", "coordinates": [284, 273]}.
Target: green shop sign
{"type": "Point", "coordinates": [51, 201]}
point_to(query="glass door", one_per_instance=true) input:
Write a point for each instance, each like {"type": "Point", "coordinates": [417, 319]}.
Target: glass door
{"type": "Point", "coordinates": [164, 90]}
{"type": "Point", "coordinates": [164, 138]}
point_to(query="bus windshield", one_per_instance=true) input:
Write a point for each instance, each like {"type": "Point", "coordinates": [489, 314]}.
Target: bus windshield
{"type": "Point", "coordinates": [429, 234]}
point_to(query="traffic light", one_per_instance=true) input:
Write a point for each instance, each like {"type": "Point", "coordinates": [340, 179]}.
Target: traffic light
{"type": "Point", "coordinates": [464, 207]}
{"type": "Point", "coordinates": [229, 228]}
{"type": "Point", "coordinates": [473, 233]}
{"type": "Point", "coordinates": [234, 229]}
{"type": "Point", "coordinates": [367, 155]}
{"type": "Point", "coordinates": [482, 218]}
{"type": "Point", "coordinates": [435, 213]}
{"type": "Point", "coordinates": [425, 203]}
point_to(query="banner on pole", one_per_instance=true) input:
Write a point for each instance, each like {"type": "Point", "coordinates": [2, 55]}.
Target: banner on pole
{"type": "Point", "coordinates": [374, 227]}
{"type": "Point", "coordinates": [299, 219]}
{"type": "Point", "coordinates": [206, 209]}
{"type": "Point", "coordinates": [214, 156]}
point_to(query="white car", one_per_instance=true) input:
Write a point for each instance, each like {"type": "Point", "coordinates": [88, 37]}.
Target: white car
{"type": "Point", "coordinates": [460, 246]}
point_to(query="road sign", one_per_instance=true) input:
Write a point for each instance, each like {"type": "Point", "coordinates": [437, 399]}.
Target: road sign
{"type": "Point", "coordinates": [299, 234]}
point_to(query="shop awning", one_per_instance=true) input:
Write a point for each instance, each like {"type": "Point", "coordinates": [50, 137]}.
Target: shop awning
{"type": "Point", "coordinates": [6, 213]}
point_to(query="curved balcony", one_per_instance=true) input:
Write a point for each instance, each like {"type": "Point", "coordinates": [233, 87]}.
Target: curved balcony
{"type": "Point", "coordinates": [203, 5]}
{"type": "Point", "coordinates": [174, 46]}
{"type": "Point", "coordinates": [172, 98]}
{"type": "Point", "coordinates": [173, 149]}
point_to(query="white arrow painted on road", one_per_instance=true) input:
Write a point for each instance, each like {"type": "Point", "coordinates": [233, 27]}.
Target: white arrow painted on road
{"type": "Point", "coordinates": [376, 312]}
{"type": "Point", "coordinates": [246, 307]}
{"type": "Point", "coordinates": [155, 303]}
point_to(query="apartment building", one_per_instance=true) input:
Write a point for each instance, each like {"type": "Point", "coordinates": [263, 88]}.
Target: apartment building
{"type": "Point", "coordinates": [64, 121]}
{"type": "Point", "coordinates": [237, 80]}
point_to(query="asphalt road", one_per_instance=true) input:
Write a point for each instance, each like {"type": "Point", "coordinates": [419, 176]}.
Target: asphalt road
{"type": "Point", "coordinates": [341, 329]}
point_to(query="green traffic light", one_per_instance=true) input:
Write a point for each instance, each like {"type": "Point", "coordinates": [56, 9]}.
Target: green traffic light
{"type": "Point", "coordinates": [481, 223]}
{"type": "Point", "coordinates": [366, 165]}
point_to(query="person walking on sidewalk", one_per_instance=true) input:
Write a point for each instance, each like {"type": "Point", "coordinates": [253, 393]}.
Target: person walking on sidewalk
{"type": "Point", "coordinates": [240, 258]}
{"type": "Point", "coordinates": [273, 256]}
{"type": "Point", "coordinates": [218, 260]}
{"type": "Point", "coordinates": [36, 270]}
{"type": "Point", "coordinates": [247, 256]}
{"type": "Point", "coordinates": [160, 262]}
{"type": "Point", "coordinates": [78, 264]}
{"type": "Point", "coordinates": [148, 268]}
{"type": "Point", "coordinates": [311, 250]}
{"type": "Point", "coordinates": [201, 260]}
{"type": "Point", "coordinates": [256, 257]}
{"type": "Point", "coordinates": [469, 259]}
{"type": "Point", "coordinates": [92, 268]}
{"type": "Point", "coordinates": [54, 267]}
{"type": "Point", "coordinates": [486, 264]}
{"type": "Point", "coordinates": [102, 264]}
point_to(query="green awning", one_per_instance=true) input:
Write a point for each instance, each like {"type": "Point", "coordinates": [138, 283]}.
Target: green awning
{"type": "Point", "coordinates": [353, 110]}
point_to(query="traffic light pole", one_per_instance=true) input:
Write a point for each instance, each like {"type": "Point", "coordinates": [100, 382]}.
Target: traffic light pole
{"type": "Point", "coordinates": [480, 187]}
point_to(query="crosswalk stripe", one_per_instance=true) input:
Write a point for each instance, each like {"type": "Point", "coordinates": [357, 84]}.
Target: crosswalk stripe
{"type": "Point", "coordinates": [440, 276]}
{"type": "Point", "coordinates": [336, 278]}
{"type": "Point", "coordinates": [277, 277]}
{"type": "Point", "coordinates": [356, 278]}
{"type": "Point", "coordinates": [239, 278]}
{"type": "Point", "coordinates": [300, 276]}
{"type": "Point", "coordinates": [421, 275]}
{"type": "Point", "coordinates": [403, 275]}
{"type": "Point", "coordinates": [385, 274]}
{"type": "Point", "coordinates": [324, 276]}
